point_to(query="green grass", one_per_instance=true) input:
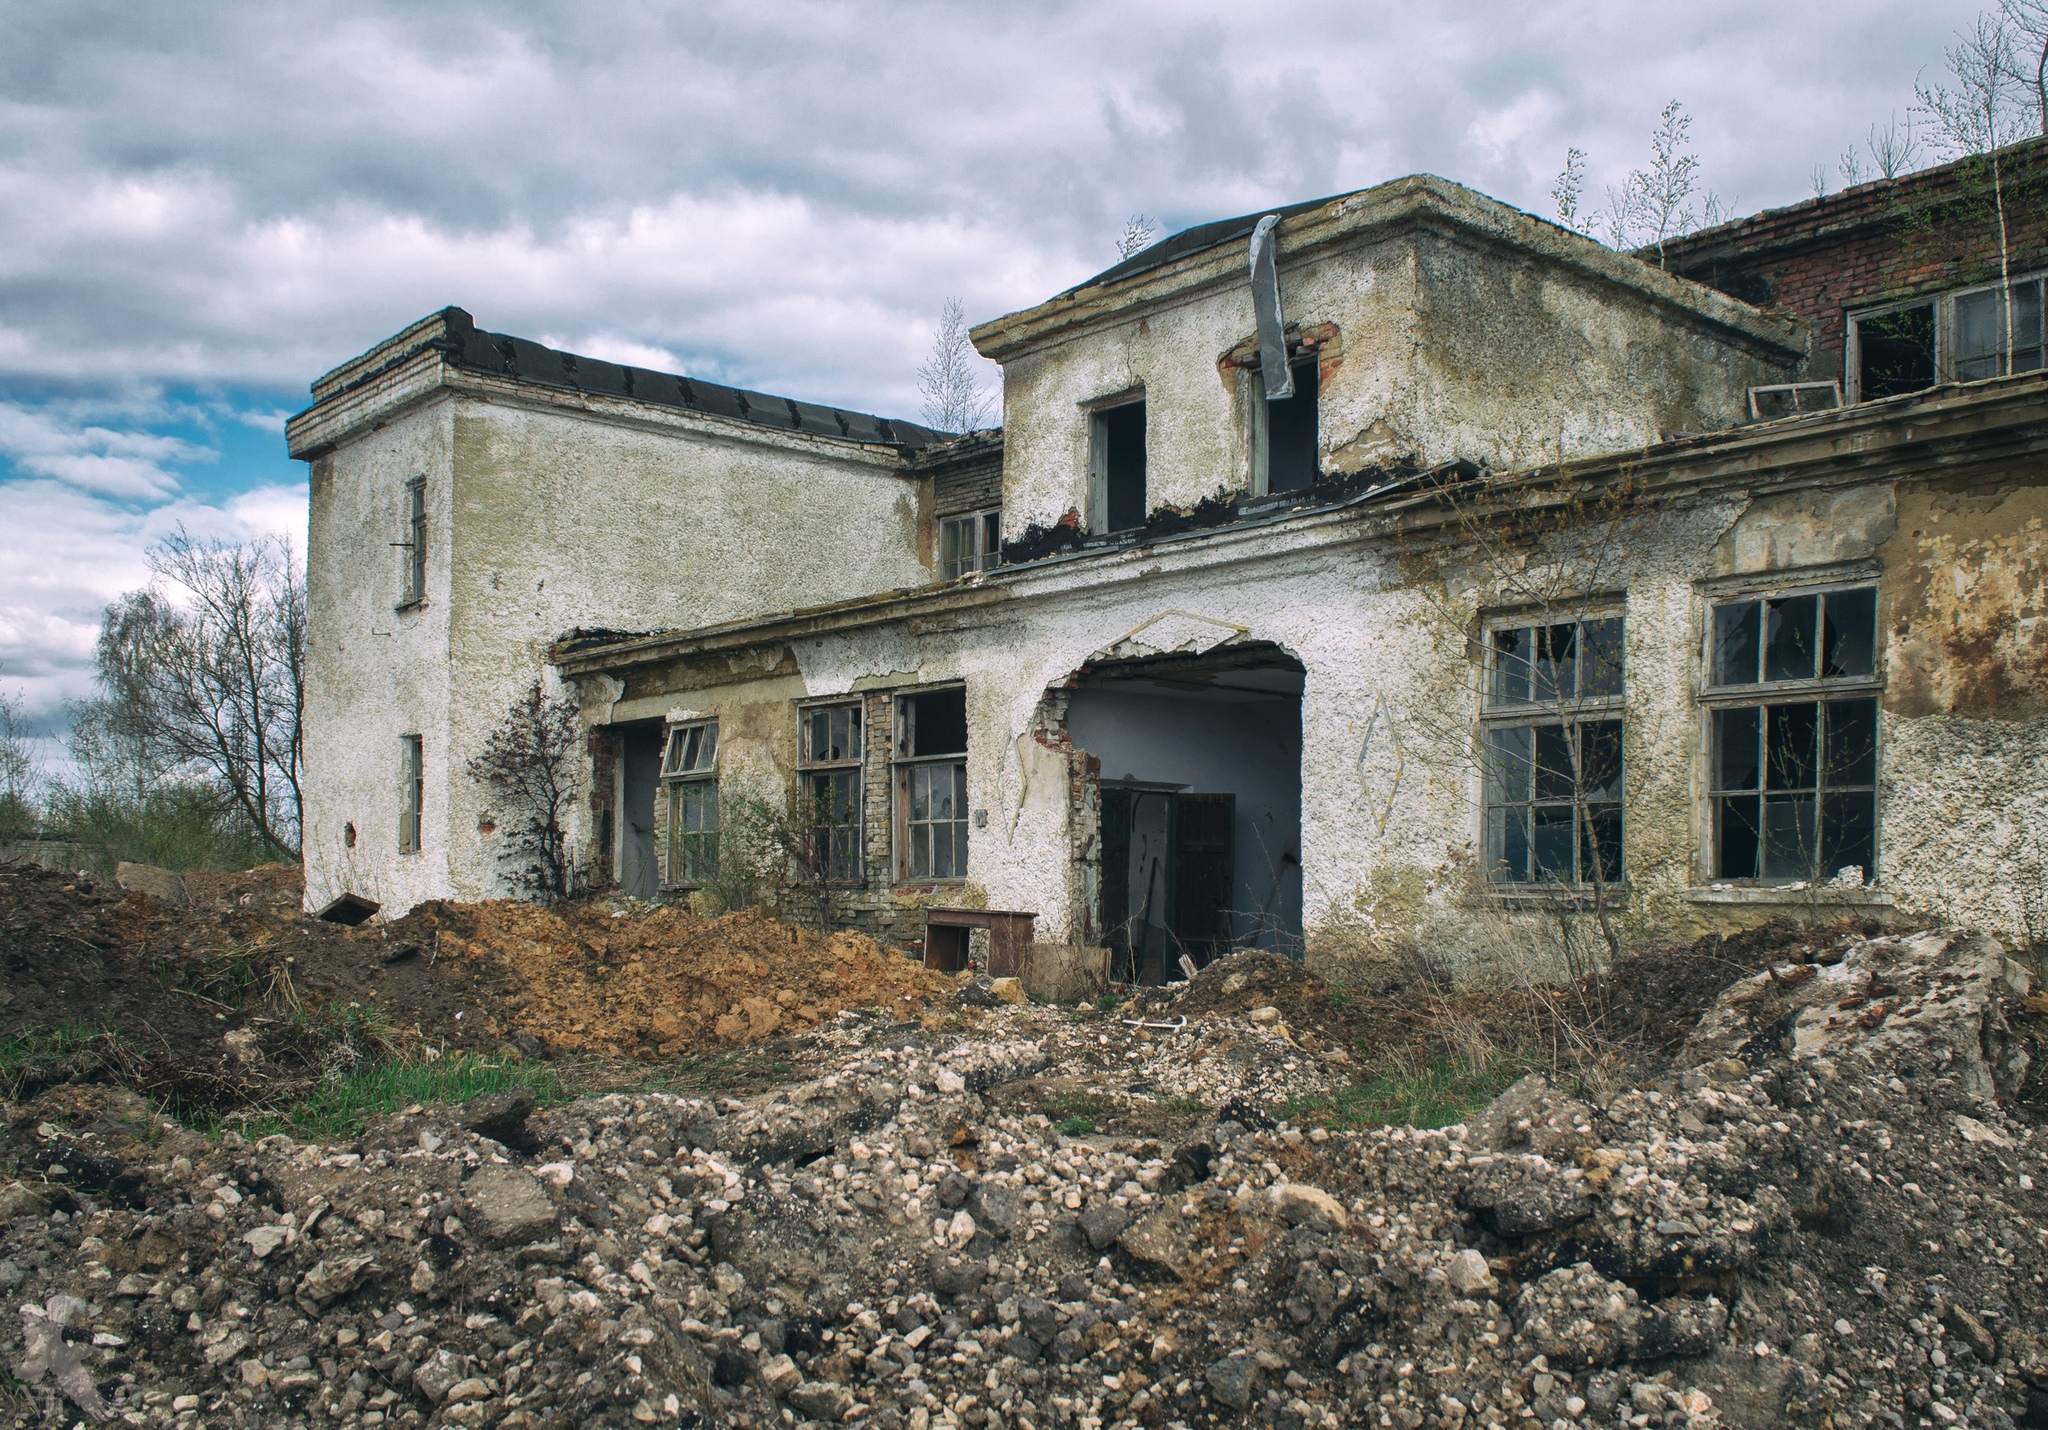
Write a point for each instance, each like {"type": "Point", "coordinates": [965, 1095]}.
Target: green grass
{"type": "Point", "coordinates": [389, 1085]}
{"type": "Point", "coordinates": [27, 1058]}
{"type": "Point", "coordinates": [1433, 1094]}
{"type": "Point", "coordinates": [1074, 1127]}
{"type": "Point", "coordinates": [1106, 1002]}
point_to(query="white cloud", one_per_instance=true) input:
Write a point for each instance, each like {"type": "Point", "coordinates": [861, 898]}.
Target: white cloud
{"type": "Point", "coordinates": [132, 464]}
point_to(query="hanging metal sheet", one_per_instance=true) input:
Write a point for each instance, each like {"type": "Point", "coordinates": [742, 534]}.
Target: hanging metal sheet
{"type": "Point", "coordinates": [1266, 308]}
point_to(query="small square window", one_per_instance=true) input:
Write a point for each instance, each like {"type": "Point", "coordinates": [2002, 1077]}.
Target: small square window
{"type": "Point", "coordinates": [969, 543]}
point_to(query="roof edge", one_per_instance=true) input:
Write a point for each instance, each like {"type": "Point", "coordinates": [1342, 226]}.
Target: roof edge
{"type": "Point", "coordinates": [1399, 204]}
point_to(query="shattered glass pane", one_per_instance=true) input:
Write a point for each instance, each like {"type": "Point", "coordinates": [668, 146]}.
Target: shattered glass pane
{"type": "Point", "coordinates": [1789, 625]}
{"type": "Point", "coordinates": [1735, 644]}
{"type": "Point", "coordinates": [1507, 845]}
{"type": "Point", "coordinates": [1511, 665]}
{"type": "Point", "coordinates": [1738, 740]}
{"type": "Point", "coordinates": [1600, 658]}
{"type": "Point", "coordinates": [1551, 842]}
{"type": "Point", "coordinates": [1848, 639]}
{"type": "Point", "coordinates": [1554, 668]}
{"type": "Point", "coordinates": [1737, 837]}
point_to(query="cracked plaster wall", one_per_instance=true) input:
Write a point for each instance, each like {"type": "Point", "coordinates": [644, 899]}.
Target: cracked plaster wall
{"type": "Point", "coordinates": [1445, 348]}
{"type": "Point", "coordinates": [1390, 787]}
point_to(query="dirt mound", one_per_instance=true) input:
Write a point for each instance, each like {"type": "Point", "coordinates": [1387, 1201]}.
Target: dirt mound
{"type": "Point", "coordinates": [628, 983]}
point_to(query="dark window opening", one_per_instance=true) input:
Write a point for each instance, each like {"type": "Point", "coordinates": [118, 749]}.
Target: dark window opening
{"type": "Point", "coordinates": [1896, 352]}
{"type": "Point", "coordinates": [414, 547]}
{"type": "Point", "coordinates": [1120, 438]}
{"type": "Point", "coordinates": [934, 723]}
{"type": "Point", "coordinates": [1291, 434]}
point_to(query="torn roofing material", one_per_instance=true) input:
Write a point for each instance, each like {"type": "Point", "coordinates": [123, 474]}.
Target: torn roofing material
{"type": "Point", "coordinates": [464, 345]}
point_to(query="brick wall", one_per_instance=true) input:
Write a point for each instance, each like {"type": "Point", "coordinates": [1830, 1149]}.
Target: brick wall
{"type": "Point", "coordinates": [967, 474]}
{"type": "Point", "coordinates": [1879, 242]}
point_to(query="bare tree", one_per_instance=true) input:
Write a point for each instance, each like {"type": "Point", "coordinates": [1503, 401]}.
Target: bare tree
{"type": "Point", "coordinates": [1979, 114]}
{"type": "Point", "coordinates": [1894, 149]}
{"type": "Point", "coordinates": [2029, 21]}
{"type": "Point", "coordinates": [1567, 191]}
{"type": "Point", "coordinates": [1850, 167]}
{"type": "Point", "coordinates": [20, 770]}
{"type": "Point", "coordinates": [953, 399]}
{"type": "Point", "coordinates": [1136, 237]}
{"type": "Point", "coordinates": [205, 668]}
{"type": "Point", "coordinates": [529, 761]}
{"type": "Point", "coordinates": [1818, 181]}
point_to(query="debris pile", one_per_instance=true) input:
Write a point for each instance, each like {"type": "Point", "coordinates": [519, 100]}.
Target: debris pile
{"type": "Point", "coordinates": [639, 981]}
{"type": "Point", "coordinates": [1829, 1210]}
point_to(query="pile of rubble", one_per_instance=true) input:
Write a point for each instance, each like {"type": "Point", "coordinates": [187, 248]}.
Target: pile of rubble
{"type": "Point", "coordinates": [1832, 1211]}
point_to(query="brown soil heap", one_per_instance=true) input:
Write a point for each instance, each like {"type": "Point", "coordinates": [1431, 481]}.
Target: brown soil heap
{"type": "Point", "coordinates": [586, 978]}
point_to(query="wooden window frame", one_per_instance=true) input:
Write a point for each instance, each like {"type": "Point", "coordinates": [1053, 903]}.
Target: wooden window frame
{"type": "Point", "coordinates": [688, 770]}
{"type": "Point", "coordinates": [816, 774]}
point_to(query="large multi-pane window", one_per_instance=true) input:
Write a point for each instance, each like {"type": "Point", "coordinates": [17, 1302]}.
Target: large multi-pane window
{"type": "Point", "coordinates": [1792, 697]}
{"type": "Point", "coordinates": [829, 763]}
{"type": "Point", "coordinates": [1551, 738]}
{"type": "Point", "coordinates": [689, 765]}
{"type": "Point", "coordinates": [1948, 337]}
{"type": "Point", "coordinates": [931, 784]}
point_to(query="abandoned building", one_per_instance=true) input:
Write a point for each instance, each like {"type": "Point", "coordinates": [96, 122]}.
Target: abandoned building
{"type": "Point", "coordinates": [1394, 562]}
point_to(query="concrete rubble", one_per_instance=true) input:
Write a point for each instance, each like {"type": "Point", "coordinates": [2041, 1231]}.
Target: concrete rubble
{"type": "Point", "coordinates": [1829, 1211]}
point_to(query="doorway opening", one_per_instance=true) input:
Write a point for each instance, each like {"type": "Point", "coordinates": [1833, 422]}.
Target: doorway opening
{"type": "Point", "coordinates": [1200, 849]}
{"type": "Point", "coordinates": [639, 783]}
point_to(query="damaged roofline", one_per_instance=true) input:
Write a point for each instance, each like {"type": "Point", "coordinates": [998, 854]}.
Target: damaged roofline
{"type": "Point", "coordinates": [426, 376]}
{"type": "Point", "coordinates": [1952, 428]}
{"type": "Point", "coordinates": [1399, 206]}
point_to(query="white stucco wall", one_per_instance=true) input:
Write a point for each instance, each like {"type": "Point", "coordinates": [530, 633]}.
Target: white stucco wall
{"type": "Point", "coordinates": [547, 512]}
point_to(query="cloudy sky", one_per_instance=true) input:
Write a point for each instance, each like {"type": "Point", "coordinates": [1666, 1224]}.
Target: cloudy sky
{"type": "Point", "coordinates": [204, 206]}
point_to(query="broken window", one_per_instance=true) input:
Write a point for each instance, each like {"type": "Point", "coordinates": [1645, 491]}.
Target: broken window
{"type": "Point", "coordinates": [1553, 752]}
{"type": "Point", "coordinates": [1793, 710]}
{"type": "Point", "coordinates": [1894, 352]}
{"type": "Point", "coordinates": [690, 766]}
{"type": "Point", "coordinates": [413, 580]}
{"type": "Point", "coordinates": [1789, 399]}
{"type": "Point", "coordinates": [931, 788]}
{"type": "Point", "coordinates": [1285, 454]}
{"type": "Point", "coordinates": [1980, 331]}
{"type": "Point", "coordinates": [829, 761]}
{"type": "Point", "coordinates": [969, 543]}
{"type": "Point", "coordinates": [412, 776]}
{"type": "Point", "coordinates": [1117, 456]}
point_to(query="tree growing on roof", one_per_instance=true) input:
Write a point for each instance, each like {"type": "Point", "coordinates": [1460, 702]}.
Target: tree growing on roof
{"type": "Point", "coordinates": [1979, 113]}
{"type": "Point", "coordinates": [2029, 21]}
{"type": "Point", "coordinates": [1136, 237]}
{"type": "Point", "coordinates": [953, 398]}
{"type": "Point", "coordinates": [529, 761]}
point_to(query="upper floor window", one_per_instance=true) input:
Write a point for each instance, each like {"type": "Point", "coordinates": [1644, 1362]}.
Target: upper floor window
{"type": "Point", "coordinates": [1116, 459]}
{"type": "Point", "coordinates": [970, 542]}
{"type": "Point", "coordinates": [829, 754]}
{"type": "Point", "coordinates": [413, 573]}
{"type": "Point", "coordinates": [1952, 337]}
{"type": "Point", "coordinates": [1792, 712]}
{"type": "Point", "coordinates": [931, 784]}
{"type": "Point", "coordinates": [1285, 451]}
{"type": "Point", "coordinates": [1552, 727]}
{"type": "Point", "coordinates": [690, 767]}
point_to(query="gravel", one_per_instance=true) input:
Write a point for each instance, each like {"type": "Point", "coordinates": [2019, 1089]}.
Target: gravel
{"type": "Point", "coordinates": [1811, 1219]}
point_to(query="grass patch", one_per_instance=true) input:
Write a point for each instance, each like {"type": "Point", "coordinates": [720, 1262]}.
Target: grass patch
{"type": "Point", "coordinates": [1057, 1105]}
{"type": "Point", "coordinates": [1435, 1093]}
{"type": "Point", "coordinates": [30, 1062]}
{"type": "Point", "coordinates": [1074, 1127]}
{"type": "Point", "coordinates": [343, 1105]}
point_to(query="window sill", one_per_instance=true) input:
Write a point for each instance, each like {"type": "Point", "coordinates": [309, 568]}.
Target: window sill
{"type": "Point", "coordinates": [1791, 894]}
{"type": "Point", "coordinates": [1550, 896]}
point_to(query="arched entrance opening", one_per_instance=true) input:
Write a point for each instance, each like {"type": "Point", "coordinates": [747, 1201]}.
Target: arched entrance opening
{"type": "Point", "coordinates": [1200, 840]}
